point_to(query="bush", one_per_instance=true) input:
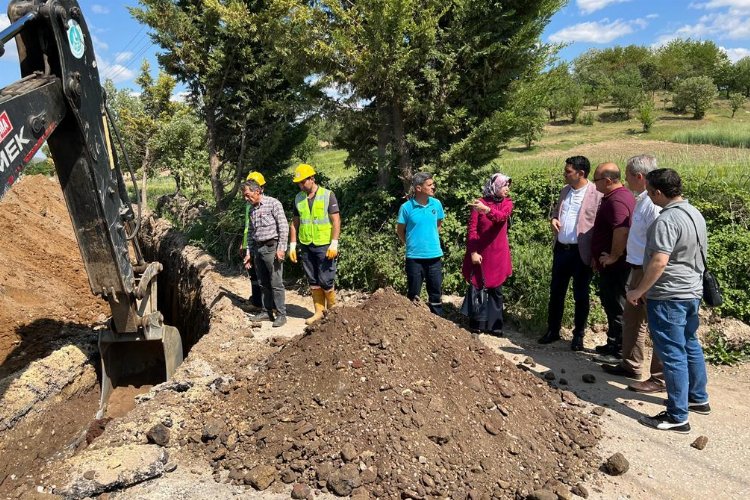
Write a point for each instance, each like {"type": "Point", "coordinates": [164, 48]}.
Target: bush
{"type": "Point", "coordinates": [646, 114]}
{"type": "Point", "coordinates": [736, 101]}
{"type": "Point", "coordinates": [696, 94]}
{"type": "Point", "coordinates": [586, 119]}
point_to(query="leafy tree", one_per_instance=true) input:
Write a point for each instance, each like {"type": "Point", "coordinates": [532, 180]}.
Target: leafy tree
{"type": "Point", "coordinates": [572, 101]}
{"type": "Point", "coordinates": [736, 101]}
{"type": "Point", "coordinates": [231, 55]}
{"type": "Point", "coordinates": [553, 86]}
{"type": "Point", "coordinates": [685, 58]}
{"type": "Point", "coordinates": [427, 81]}
{"type": "Point", "coordinates": [627, 91]}
{"type": "Point", "coordinates": [179, 146]}
{"type": "Point", "coordinates": [528, 110]}
{"type": "Point", "coordinates": [742, 75]}
{"type": "Point", "coordinates": [696, 93]}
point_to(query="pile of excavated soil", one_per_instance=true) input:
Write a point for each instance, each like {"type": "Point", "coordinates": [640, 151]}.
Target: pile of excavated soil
{"type": "Point", "coordinates": [44, 290]}
{"type": "Point", "coordinates": [389, 400]}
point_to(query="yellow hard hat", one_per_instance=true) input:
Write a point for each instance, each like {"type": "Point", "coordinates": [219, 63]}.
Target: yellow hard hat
{"type": "Point", "coordinates": [257, 177]}
{"type": "Point", "coordinates": [302, 172]}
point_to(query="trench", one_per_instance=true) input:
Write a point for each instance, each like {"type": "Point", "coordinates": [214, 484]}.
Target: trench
{"type": "Point", "coordinates": [61, 423]}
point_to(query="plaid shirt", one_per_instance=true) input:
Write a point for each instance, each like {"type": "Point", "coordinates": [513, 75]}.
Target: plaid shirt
{"type": "Point", "coordinates": [267, 222]}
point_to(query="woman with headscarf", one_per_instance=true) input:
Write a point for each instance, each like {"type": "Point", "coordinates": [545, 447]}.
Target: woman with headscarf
{"type": "Point", "coordinates": [487, 261]}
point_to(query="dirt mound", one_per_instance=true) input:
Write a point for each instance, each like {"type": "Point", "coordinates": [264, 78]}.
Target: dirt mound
{"type": "Point", "coordinates": [44, 290]}
{"type": "Point", "coordinates": [387, 399]}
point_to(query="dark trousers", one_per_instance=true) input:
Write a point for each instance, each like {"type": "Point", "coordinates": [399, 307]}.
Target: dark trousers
{"type": "Point", "coordinates": [270, 272]}
{"type": "Point", "coordinates": [429, 271]}
{"type": "Point", "coordinates": [612, 284]}
{"type": "Point", "coordinates": [494, 320]}
{"type": "Point", "coordinates": [256, 292]}
{"type": "Point", "coordinates": [567, 264]}
{"type": "Point", "coordinates": [320, 270]}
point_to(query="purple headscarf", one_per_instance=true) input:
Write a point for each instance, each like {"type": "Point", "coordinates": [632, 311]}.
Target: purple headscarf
{"type": "Point", "coordinates": [494, 184]}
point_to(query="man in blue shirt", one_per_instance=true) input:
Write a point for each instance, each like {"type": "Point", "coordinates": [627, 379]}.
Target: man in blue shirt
{"type": "Point", "coordinates": [419, 221]}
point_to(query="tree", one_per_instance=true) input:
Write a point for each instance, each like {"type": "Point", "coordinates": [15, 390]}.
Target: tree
{"type": "Point", "coordinates": [572, 101]}
{"type": "Point", "coordinates": [742, 75]}
{"type": "Point", "coordinates": [646, 114]}
{"type": "Point", "coordinates": [696, 93]}
{"type": "Point", "coordinates": [231, 55]}
{"type": "Point", "coordinates": [528, 110]}
{"type": "Point", "coordinates": [427, 81]}
{"type": "Point", "coordinates": [736, 101]}
{"type": "Point", "coordinates": [627, 90]}
{"type": "Point", "coordinates": [179, 147]}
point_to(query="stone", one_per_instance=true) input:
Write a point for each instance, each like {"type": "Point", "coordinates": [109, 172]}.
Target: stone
{"type": "Point", "coordinates": [549, 376]}
{"type": "Point", "coordinates": [541, 495]}
{"type": "Point", "coordinates": [212, 429]}
{"type": "Point", "coordinates": [598, 411]}
{"type": "Point", "coordinates": [343, 481]}
{"type": "Point", "coordinates": [438, 435]}
{"type": "Point", "coordinates": [569, 398]}
{"type": "Point", "coordinates": [616, 465]}
{"type": "Point", "coordinates": [261, 477]}
{"type": "Point", "coordinates": [700, 443]}
{"type": "Point", "coordinates": [158, 434]}
{"type": "Point", "coordinates": [349, 453]}
{"type": "Point", "coordinates": [301, 491]}
{"type": "Point", "coordinates": [563, 381]}
{"type": "Point", "coordinates": [89, 474]}
{"type": "Point", "coordinates": [588, 378]}
{"type": "Point", "coordinates": [580, 490]}
{"type": "Point", "coordinates": [288, 476]}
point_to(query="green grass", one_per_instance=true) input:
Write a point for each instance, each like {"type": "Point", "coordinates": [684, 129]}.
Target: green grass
{"type": "Point", "coordinates": [725, 135]}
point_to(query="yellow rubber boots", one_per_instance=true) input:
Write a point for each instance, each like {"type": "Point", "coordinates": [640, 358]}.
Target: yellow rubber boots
{"type": "Point", "coordinates": [319, 300]}
{"type": "Point", "coordinates": [330, 298]}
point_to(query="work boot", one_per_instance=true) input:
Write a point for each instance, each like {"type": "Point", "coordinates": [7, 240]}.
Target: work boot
{"type": "Point", "coordinates": [319, 301]}
{"type": "Point", "coordinates": [279, 321]}
{"type": "Point", "coordinates": [262, 316]}
{"type": "Point", "coordinates": [549, 337]}
{"type": "Point", "coordinates": [330, 298]}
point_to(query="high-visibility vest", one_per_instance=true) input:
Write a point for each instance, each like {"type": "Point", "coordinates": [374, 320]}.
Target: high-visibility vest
{"type": "Point", "coordinates": [247, 225]}
{"type": "Point", "coordinates": [314, 225]}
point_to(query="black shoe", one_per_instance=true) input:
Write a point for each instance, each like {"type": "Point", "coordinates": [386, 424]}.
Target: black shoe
{"type": "Point", "coordinates": [549, 337]}
{"type": "Point", "coordinates": [620, 370]}
{"type": "Point", "coordinates": [664, 422]}
{"type": "Point", "coordinates": [577, 343]}
{"type": "Point", "coordinates": [279, 321]}
{"type": "Point", "coordinates": [700, 408]}
{"type": "Point", "coordinates": [609, 349]}
{"type": "Point", "coordinates": [262, 316]}
{"type": "Point", "coordinates": [496, 333]}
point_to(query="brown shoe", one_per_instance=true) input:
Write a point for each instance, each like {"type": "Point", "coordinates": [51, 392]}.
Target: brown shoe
{"type": "Point", "coordinates": [648, 386]}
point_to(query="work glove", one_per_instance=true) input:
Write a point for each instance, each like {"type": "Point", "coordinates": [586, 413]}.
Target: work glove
{"type": "Point", "coordinates": [293, 251]}
{"type": "Point", "coordinates": [333, 250]}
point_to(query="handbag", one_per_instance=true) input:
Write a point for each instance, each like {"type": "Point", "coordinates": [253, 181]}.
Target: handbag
{"type": "Point", "coordinates": [475, 304]}
{"type": "Point", "coordinates": [711, 289]}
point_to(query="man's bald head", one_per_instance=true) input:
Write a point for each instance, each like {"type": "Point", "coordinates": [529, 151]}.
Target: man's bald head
{"type": "Point", "coordinates": [607, 177]}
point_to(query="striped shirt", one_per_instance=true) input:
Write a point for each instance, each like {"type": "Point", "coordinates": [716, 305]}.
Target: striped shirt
{"type": "Point", "coordinates": [268, 222]}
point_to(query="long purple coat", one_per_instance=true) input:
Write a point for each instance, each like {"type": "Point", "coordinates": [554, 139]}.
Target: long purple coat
{"type": "Point", "coordinates": [487, 234]}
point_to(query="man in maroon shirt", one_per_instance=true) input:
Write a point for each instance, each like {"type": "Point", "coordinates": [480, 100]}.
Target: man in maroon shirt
{"type": "Point", "coordinates": [608, 244]}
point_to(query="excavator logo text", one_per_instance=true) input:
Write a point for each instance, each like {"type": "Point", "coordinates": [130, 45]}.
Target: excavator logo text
{"type": "Point", "coordinates": [5, 126]}
{"type": "Point", "coordinates": [12, 149]}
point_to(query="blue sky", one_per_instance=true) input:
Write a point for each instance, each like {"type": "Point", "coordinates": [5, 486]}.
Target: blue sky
{"type": "Point", "coordinates": [121, 43]}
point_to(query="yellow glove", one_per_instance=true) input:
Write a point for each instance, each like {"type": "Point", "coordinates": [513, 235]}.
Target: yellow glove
{"type": "Point", "coordinates": [293, 251]}
{"type": "Point", "coordinates": [333, 250]}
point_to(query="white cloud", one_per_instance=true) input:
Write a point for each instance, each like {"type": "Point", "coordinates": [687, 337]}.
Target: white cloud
{"type": "Point", "coordinates": [725, 25]}
{"type": "Point", "coordinates": [179, 97]}
{"type": "Point", "coordinates": [115, 72]}
{"type": "Point", "coordinates": [598, 32]}
{"type": "Point", "coordinates": [123, 57]}
{"type": "Point", "coordinates": [99, 9]}
{"type": "Point", "coordinates": [736, 54]}
{"type": "Point", "coordinates": [589, 6]}
{"type": "Point", "coordinates": [99, 44]}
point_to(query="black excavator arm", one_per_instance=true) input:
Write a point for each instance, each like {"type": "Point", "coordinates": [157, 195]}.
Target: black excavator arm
{"type": "Point", "coordinates": [60, 100]}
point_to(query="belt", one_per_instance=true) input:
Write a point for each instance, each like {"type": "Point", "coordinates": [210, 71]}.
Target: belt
{"type": "Point", "coordinates": [269, 243]}
{"type": "Point", "coordinates": [566, 246]}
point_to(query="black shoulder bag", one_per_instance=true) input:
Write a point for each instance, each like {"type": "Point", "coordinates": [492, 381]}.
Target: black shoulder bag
{"type": "Point", "coordinates": [711, 289]}
{"type": "Point", "coordinates": [475, 302]}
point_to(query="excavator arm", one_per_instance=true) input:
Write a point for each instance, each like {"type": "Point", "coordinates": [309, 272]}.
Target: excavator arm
{"type": "Point", "coordinates": [60, 100]}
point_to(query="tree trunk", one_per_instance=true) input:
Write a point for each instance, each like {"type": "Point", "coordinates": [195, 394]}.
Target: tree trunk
{"type": "Point", "coordinates": [402, 149]}
{"type": "Point", "coordinates": [145, 163]}
{"type": "Point", "coordinates": [214, 162]}
{"type": "Point", "coordinates": [384, 166]}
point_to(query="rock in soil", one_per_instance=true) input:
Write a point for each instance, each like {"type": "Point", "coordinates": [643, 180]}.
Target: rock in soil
{"type": "Point", "coordinates": [616, 465]}
{"type": "Point", "coordinates": [700, 443]}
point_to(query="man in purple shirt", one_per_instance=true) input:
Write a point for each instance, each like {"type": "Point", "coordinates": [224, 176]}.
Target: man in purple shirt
{"type": "Point", "coordinates": [608, 248]}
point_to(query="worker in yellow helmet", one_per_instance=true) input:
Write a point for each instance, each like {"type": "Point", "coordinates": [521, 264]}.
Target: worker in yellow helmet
{"type": "Point", "coordinates": [316, 225]}
{"type": "Point", "coordinates": [256, 295]}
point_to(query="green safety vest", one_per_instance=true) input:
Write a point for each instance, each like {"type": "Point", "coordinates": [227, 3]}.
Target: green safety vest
{"type": "Point", "coordinates": [314, 226]}
{"type": "Point", "coordinates": [247, 225]}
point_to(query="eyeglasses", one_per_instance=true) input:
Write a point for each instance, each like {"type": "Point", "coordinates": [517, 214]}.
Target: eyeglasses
{"type": "Point", "coordinates": [599, 179]}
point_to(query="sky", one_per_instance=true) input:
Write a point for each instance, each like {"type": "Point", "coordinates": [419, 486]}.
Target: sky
{"type": "Point", "coordinates": [121, 43]}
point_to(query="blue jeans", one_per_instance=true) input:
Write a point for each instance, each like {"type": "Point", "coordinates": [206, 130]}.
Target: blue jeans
{"type": "Point", "coordinates": [673, 325]}
{"type": "Point", "coordinates": [431, 272]}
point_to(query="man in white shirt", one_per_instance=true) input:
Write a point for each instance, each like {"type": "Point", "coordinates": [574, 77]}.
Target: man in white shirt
{"type": "Point", "coordinates": [572, 220]}
{"type": "Point", "coordinates": [635, 327]}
